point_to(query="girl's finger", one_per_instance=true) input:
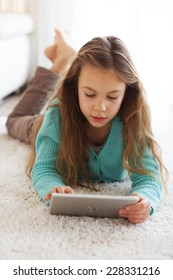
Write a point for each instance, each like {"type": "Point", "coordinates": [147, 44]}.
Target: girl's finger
{"type": "Point", "coordinates": [137, 217]}
{"type": "Point", "coordinates": [60, 190]}
{"type": "Point", "coordinates": [69, 190]}
{"type": "Point", "coordinates": [48, 197]}
{"type": "Point", "coordinates": [142, 204]}
{"type": "Point", "coordinates": [54, 190]}
{"type": "Point", "coordinates": [139, 212]}
{"type": "Point", "coordinates": [136, 221]}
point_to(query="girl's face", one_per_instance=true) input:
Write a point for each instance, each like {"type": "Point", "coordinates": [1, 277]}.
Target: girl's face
{"type": "Point", "coordinates": [100, 94]}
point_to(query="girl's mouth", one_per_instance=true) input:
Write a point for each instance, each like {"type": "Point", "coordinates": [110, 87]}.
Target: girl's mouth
{"type": "Point", "coordinates": [98, 119]}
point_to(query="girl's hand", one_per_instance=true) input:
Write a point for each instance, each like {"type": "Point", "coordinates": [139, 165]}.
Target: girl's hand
{"type": "Point", "coordinates": [137, 213]}
{"type": "Point", "coordinates": [61, 189]}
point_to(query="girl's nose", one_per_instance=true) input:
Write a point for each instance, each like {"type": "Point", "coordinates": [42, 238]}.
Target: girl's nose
{"type": "Point", "coordinates": [100, 105]}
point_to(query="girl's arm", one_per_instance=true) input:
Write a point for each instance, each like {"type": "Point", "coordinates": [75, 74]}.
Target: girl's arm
{"type": "Point", "coordinates": [44, 173]}
{"type": "Point", "coordinates": [147, 188]}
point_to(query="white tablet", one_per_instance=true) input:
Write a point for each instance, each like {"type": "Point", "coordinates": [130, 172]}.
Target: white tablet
{"type": "Point", "coordinates": [89, 205]}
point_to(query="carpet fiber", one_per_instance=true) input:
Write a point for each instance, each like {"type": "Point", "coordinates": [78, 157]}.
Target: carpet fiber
{"type": "Point", "coordinates": [28, 231]}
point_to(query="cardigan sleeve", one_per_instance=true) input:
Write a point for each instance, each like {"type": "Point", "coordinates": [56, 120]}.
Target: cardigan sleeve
{"type": "Point", "coordinates": [44, 173]}
{"type": "Point", "coordinates": [147, 186]}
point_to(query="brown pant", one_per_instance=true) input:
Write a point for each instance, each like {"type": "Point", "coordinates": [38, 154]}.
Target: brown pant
{"type": "Point", "coordinates": [27, 111]}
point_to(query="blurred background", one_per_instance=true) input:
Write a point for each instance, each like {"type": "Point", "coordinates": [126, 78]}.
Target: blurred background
{"type": "Point", "coordinates": [145, 26]}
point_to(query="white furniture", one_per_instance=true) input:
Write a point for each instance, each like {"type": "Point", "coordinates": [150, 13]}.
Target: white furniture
{"type": "Point", "coordinates": [14, 51]}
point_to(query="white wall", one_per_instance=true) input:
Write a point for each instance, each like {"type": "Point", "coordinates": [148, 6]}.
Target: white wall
{"type": "Point", "coordinates": [146, 27]}
{"type": "Point", "coordinates": [47, 15]}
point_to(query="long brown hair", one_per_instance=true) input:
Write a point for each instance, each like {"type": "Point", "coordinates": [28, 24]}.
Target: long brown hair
{"type": "Point", "coordinates": [108, 53]}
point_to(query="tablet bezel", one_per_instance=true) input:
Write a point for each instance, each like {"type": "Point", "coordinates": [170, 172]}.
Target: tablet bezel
{"type": "Point", "coordinates": [89, 204]}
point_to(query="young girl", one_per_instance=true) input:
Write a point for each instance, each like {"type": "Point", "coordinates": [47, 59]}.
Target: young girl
{"type": "Point", "coordinates": [96, 128]}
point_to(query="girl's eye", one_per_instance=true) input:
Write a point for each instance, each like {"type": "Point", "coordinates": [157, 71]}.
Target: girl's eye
{"type": "Point", "coordinates": [112, 97]}
{"type": "Point", "coordinates": [89, 95]}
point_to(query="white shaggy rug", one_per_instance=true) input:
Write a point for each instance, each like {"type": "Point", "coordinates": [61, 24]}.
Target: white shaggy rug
{"type": "Point", "coordinates": [28, 231]}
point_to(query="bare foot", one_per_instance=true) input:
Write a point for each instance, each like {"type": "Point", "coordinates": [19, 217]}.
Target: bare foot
{"type": "Point", "coordinates": [64, 52]}
{"type": "Point", "coordinates": [50, 52]}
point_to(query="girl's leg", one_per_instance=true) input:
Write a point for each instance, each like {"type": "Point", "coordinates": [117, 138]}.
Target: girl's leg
{"type": "Point", "coordinates": [20, 121]}
{"type": "Point", "coordinates": [25, 114]}
{"type": "Point", "coordinates": [64, 53]}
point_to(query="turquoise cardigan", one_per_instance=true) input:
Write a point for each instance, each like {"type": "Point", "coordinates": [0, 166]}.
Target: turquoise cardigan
{"type": "Point", "coordinates": [106, 166]}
